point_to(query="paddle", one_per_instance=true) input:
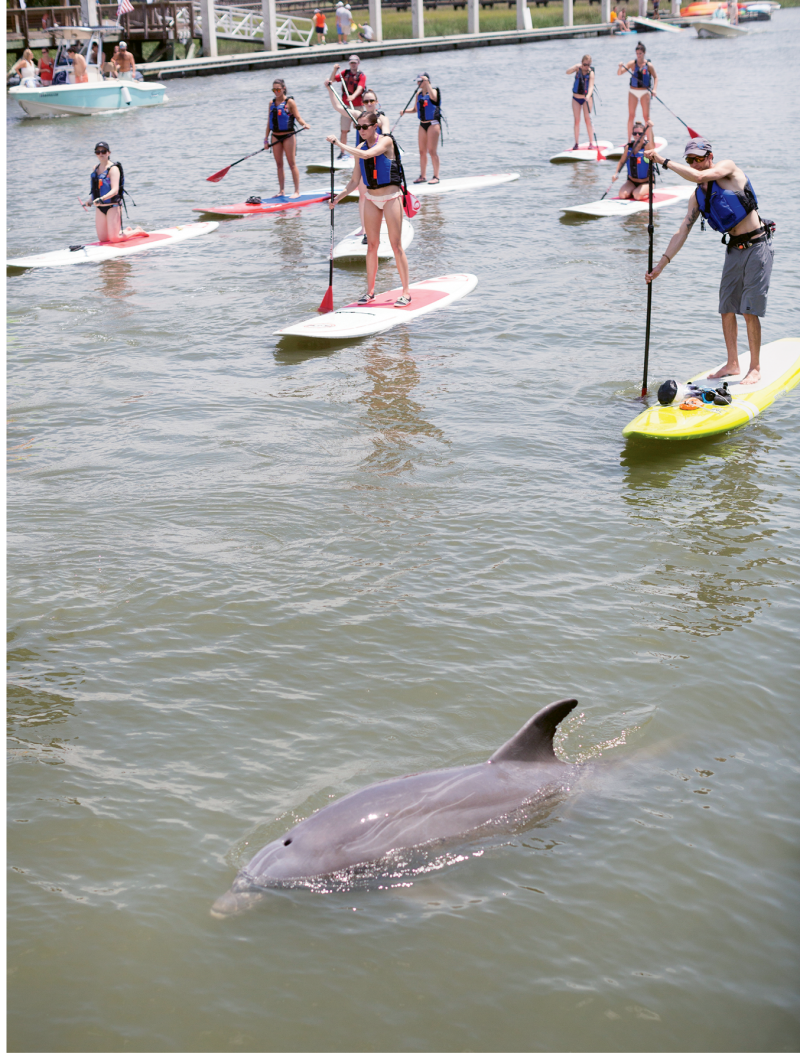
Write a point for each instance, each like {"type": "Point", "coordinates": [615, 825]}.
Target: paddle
{"type": "Point", "coordinates": [399, 119]}
{"type": "Point", "coordinates": [609, 186]}
{"type": "Point", "coordinates": [650, 189]}
{"type": "Point", "coordinates": [327, 300]}
{"type": "Point", "coordinates": [85, 209]}
{"type": "Point", "coordinates": [691, 131]}
{"type": "Point", "coordinates": [215, 178]}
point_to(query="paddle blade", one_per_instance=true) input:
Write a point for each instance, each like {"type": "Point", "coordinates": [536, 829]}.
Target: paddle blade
{"type": "Point", "coordinates": [693, 133]}
{"type": "Point", "coordinates": [600, 156]}
{"type": "Point", "coordinates": [215, 178]}
{"type": "Point", "coordinates": [327, 302]}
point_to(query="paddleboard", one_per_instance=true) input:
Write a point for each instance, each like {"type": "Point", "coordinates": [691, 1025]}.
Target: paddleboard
{"type": "Point", "coordinates": [616, 152]}
{"type": "Point", "coordinates": [449, 186]}
{"type": "Point", "coordinates": [98, 251]}
{"type": "Point", "coordinates": [353, 248]}
{"type": "Point", "coordinates": [585, 152]}
{"type": "Point", "coordinates": [355, 320]}
{"type": "Point", "coordinates": [615, 206]}
{"type": "Point", "coordinates": [269, 204]}
{"type": "Point", "coordinates": [780, 372]}
{"type": "Point", "coordinates": [343, 165]}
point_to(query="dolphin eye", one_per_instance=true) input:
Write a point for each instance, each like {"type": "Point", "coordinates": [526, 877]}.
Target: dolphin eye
{"type": "Point", "coordinates": [288, 841]}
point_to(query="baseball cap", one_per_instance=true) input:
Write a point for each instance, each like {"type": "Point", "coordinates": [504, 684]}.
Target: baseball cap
{"type": "Point", "coordinates": [102, 145]}
{"type": "Point", "coordinates": [697, 147]}
{"type": "Point", "coordinates": [122, 45]}
{"type": "Point", "coordinates": [354, 58]}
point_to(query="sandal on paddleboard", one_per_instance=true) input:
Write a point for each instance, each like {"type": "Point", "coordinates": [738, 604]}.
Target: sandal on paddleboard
{"type": "Point", "coordinates": [402, 301]}
{"type": "Point", "coordinates": [421, 179]}
{"type": "Point", "coordinates": [434, 180]}
{"type": "Point", "coordinates": [368, 297]}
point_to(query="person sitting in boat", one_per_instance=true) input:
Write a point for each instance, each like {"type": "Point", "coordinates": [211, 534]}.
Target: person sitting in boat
{"type": "Point", "coordinates": [126, 67]}
{"type": "Point", "coordinates": [644, 82]}
{"type": "Point", "coordinates": [45, 67]}
{"type": "Point", "coordinates": [25, 68]}
{"type": "Point", "coordinates": [582, 89]}
{"type": "Point", "coordinates": [379, 167]}
{"type": "Point", "coordinates": [107, 188]}
{"type": "Point", "coordinates": [635, 186]}
{"type": "Point", "coordinates": [79, 74]}
{"type": "Point", "coordinates": [281, 133]}
{"type": "Point", "coordinates": [725, 198]}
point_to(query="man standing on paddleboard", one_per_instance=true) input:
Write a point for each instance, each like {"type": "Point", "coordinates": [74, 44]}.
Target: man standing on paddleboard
{"type": "Point", "coordinates": [353, 84]}
{"type": "Point", "coordinates": [725, 198]}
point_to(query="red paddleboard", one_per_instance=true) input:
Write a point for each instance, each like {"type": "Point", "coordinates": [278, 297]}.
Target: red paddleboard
{"type": "Point", "coordinates": [268, 204]}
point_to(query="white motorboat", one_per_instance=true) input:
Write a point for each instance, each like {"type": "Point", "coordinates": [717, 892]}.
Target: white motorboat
{"type": "Point", "coordinates": [718, 25]}
{"type": "Point", "coordinates": [98, 95]}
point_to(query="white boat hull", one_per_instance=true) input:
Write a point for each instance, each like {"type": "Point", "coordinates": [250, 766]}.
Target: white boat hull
{"type": "Point", "coordinates": [82, 100]}
{"type": "Point", "coordinates": [716, 27]}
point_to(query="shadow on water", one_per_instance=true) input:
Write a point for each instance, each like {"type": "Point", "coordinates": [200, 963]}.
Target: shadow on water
{"type": "Point", "coordinates": [707, 502]}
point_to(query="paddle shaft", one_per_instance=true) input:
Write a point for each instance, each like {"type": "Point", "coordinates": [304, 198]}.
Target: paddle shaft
{"type": "Point", "coordinates": [224, 171]}
{"type": "Point", "coordinates": [691, 131]}
{"type": "Point", "coordinates": [333, 220]}
{"type": "Point", "coordinates": [650, 189]}
{"type": "Point", "coordinates": [399, 119]}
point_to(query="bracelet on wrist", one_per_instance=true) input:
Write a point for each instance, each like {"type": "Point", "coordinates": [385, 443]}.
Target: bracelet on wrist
{"type": "Point", "coordinates": [665, 163]}
{"type": "Point", "coordinates": [664, 256]}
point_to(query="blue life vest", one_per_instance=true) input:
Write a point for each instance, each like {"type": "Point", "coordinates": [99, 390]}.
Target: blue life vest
{"type": "Point", "coordinates": [381, 171]}
{"type": "Point", "coordinates": [725, 208]}
{"type": "Point", "coordinates": [101, 184]}
{"type": "Point", "coordinates": [640, 77]}
{"type": "Point", "coordinates": [580, 86]}
{"type": "Point", "coordinates": [638, 167]}
{"type": "Point", "coordinates": [427, 109]}
{"type": "Point", "coordinates": [280, 119]}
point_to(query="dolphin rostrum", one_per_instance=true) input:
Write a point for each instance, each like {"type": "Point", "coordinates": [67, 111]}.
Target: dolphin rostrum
{"type": "Point", "coordinates": [414, 810]}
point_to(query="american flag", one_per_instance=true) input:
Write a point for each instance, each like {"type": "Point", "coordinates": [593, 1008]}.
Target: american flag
{"type": "Point", "coordinates": [123, 8]}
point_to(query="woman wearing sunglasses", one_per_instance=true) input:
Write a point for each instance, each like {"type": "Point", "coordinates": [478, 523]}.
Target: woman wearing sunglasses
{"type": "Point", "coordinates": [281, 119]}
{"type": "Point", "coordinates": [378, 167]}
{"type": "Point", "coordinates": [635, 186]}
{"type": "Point", "coordinates": [725, 198]}
{"type": "Point", "coordinates": [582, 88]}
{"type": "Point", "coordinates": [644, 81]}
{"type": "Point", "coordinates": [371, 105]}
{"type": "Point", "coordinates": [107, 188]}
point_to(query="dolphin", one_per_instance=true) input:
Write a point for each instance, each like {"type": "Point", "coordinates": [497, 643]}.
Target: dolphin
{"type": "Point", "coordinates": [413, 810]}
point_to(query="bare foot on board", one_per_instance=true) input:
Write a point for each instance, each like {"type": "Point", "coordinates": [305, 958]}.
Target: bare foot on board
{"type": "Point", "coordinates": [752, 377]}
{"type": "Point", "coordinates": [727, 370]}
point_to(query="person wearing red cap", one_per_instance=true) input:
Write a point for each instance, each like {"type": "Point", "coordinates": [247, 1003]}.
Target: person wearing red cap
{"type": "Point", "coordinates": [725, 198]}
{"type": "Point", "coordinates": [353, 84]}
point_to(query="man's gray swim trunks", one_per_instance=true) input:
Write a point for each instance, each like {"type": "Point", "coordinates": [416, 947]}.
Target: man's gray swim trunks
{"type": "Point", "coordinates": [745, 279]}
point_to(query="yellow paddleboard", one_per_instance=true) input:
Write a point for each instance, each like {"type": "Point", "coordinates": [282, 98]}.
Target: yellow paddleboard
{"type": "Point", "coordinates": [780, 372]}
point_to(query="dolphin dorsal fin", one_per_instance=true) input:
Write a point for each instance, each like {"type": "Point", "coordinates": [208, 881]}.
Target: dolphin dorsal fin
{"type": "Point", "coordinates": [534, 740]}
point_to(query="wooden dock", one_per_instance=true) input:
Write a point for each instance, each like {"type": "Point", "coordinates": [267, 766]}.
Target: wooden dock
{"type": "Point", "coordinates": [328, 53]}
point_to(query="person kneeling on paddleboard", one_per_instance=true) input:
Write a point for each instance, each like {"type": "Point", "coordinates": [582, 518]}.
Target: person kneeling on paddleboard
{"type": "Point", "coordinates": [378, 166]}
{"type": "Point", "coordinates": [725, 197]}
{"type": "Point", "coordinates": [635, 186]}
{"type": "Point", "coordinates": [107, 189]}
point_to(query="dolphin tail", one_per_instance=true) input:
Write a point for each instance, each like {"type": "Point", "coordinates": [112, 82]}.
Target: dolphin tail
{"type": "Point", "coordinates": [534, 740]}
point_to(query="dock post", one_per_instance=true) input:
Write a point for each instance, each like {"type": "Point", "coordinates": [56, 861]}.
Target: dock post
{"type": "Point", "coordinates": [89, 13]}
{"type": "Point", "coordinates": [605, 10]}
{"type": "Point", "coordinates": [521, 8]}
{"type": "Point", "coordinates": [473, 16]}
{"type": "Point", "coordinates": [676, 9]}
{"type": "Point", "coordinates": [417, 20]}
{"type": "Point", "coordinates": [270, 17]}
{"type": "Point", "coordinates": [568, 12]}
{"type": "Point", "coordinates": [642, 8]}
{"type": "Point", "coordinates": [209, 28]}
{"type": "Point", "coordinates": [376, 20]}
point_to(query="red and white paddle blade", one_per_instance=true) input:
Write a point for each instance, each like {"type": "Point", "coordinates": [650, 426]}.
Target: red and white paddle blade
{"type": "Point", "coordinates": [327, 302]}
{"type": "Point", "coordinates": [215, 178]}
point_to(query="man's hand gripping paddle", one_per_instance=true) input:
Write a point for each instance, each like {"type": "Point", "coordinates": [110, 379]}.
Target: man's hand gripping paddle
{"type": "Point", "coordinates": [327, 300]}
{"type": "Point", "coordinates": [215, 178]}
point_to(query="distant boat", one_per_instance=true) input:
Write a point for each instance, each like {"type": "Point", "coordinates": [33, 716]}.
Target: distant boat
{"type": "Point", "coordinates": [98, 95]}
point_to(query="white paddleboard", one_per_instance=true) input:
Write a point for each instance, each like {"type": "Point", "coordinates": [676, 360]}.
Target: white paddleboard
{"type": "Point", "coordinates": [355, 320]}
{"type": "Point", "coordinates": [448, 186]}
{"type": "Point", "coordinates": [614, 206]}
{"type": "Point", "coordinates": [585, 152]}
{"type": "Point", "coordinates": [98, 251]}
{"type": "Point", "coordinates": [616, 152]}
{"type": "Point", "coordinates": [353, 248]}
{"type": "Point", "coordinates": [342, 165]}
{"type": "Point", "coordinates": [654, 23]}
